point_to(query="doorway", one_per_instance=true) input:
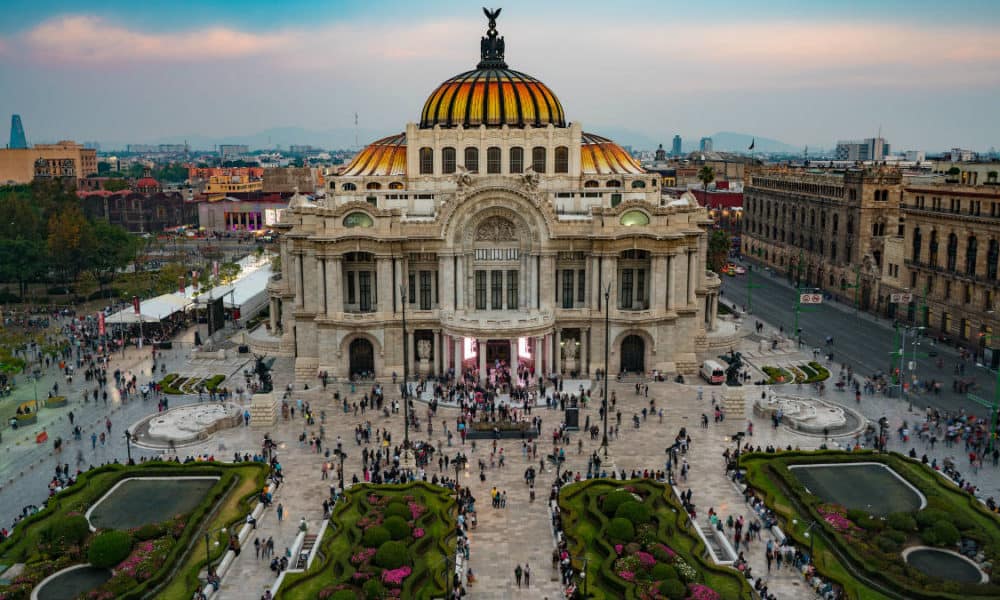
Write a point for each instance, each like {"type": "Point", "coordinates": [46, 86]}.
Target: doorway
{"type": "Point", "coordinates": [633, 354]}
{"type": "Point", "coordinates": [362, 357]}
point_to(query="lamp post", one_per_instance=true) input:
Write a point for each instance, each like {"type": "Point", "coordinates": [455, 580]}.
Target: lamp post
{"type": "Point", "coordinates": [406, 375]}
{"type": "Point", "coordinates": [883, 427]}
{"type": "Point", "coordinates": [459, 463]}
{"type": "Point", "coordinates": [809, 536]}
{"type": "Point", "coordinates": [208, 551]}
{"type": "Point", "coordinates": [341, 455]}
{"type": "Point", "coordinates": [607, 350]}
{"type": "Point", "coordinates": [128, 445]}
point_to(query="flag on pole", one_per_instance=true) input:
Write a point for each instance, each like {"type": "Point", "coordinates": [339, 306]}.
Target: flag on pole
{"type": "Point", "coordinates": [753, 143]}
{"type": "Point", "coordinates": [181, 284]}
{"type": "Point", "coordinates": [135, 304]}
{"type": "Point", "coordinates": [100, 323]}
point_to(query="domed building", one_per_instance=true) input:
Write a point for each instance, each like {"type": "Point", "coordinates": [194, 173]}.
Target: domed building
{"type": "Point", "coordinates": [503, 230]}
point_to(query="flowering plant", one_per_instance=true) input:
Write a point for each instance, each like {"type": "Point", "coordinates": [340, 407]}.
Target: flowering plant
{"type": "Point", "coordinates": [416, 510]}
{"type": "Point", "coordinates": [418, 533]}
{"type": "Point", "coordinates": [618, 549]}
{"type": "Point", "coordinates": [670, 552]}
{"type": "Point", "coordinates": [363, 556]}
{"type": "Point", "coordinates": [396, 576]}
{"type": "Point", "coordinates": [361, 576]}
{"type": "Point", "coordinates": [627, 575]}
{"type": "Point", "coordinates": [646, 559]}
{"type": "Point", "coordinates": [686, 571]}
{"type": "Point", "coordinates": [702, 592]}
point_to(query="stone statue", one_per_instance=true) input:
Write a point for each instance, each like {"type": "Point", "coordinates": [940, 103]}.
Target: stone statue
{"type": "Point", "coordinates": [569, 350]}
{"type": "Point", "coordinates": [263, 371]}
{"type": "Point", "coordinates": [495, 229]}
{"type": "Point", "coordinates": [463, 178]}
{"type": "Point", "coordinates": [491, 47]}
{"type": "Point", "coordinates": [530, 179]}
{"type": "Point", "coordinates": [733, 370]}
{"type": "Point", "coordinates": [424, 349]}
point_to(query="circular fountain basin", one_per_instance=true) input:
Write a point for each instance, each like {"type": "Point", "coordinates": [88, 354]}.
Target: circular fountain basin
{"type": "Point", "coordinates": [944, 564]}
{"type": "Point", "coordinates": [70, 583]}
{"type": "Point", "coordinates": [186, 424]}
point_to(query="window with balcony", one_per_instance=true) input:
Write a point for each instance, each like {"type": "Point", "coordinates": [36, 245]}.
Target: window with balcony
{"type": "Point", "coordinates": [952, 256]}
{"type": "Point", "coordinates": [480, 290]}
{"type": "Point", "coordinates": [496, 290]}
{"type": "Point", "coordinates": [992, 258]}
{"type": "Point", "coordinates": [425, 290]}
{"type": "Point", "coordinates": [512, 289]}
{"type": "Point", "coordinates": [971, 249]}
{"type": "Point", "coordinates": [917, 241]}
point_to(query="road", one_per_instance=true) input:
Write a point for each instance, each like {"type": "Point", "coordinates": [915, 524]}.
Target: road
{"type": "Point", "coordinates": [862, 341]}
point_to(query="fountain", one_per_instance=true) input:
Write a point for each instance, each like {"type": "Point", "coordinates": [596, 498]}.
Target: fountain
{"type": "Point", "coordinates": [944, 564]}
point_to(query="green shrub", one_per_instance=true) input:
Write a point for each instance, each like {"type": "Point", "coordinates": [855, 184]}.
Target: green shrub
{"type": "Point", "coordinates": [636, 512]}
{"type": "Point", "coordinates": [928, 536]}
{"type": "Point", "coordinates": [397, 509]}
{"type": "Point", "coordinates": [70, 531]}
{"type": "Point", "coordinates": [895, 535]}
{"type": "Point", "coordinates": [397, 527]}
{"type": "Point", "coordinates": [886, 544]}
{"type": "Point", "coordinates": [946, 533]}
{"type": "Point", "coordinates": [902, 521]}
{"type": "Point", "coordinates": [866, 521]}
{"type": "Point", "coordinates": [663, 572]}
{"type": "Point", "coordinates": [615, 499]}
{"type": "Point", "coordinates": [148, 532]}
{"type": "Point", "coordinates": [375, 536]}
{"type": "Point", "coordinates": [373, 589]}
{"type": "Point", "coordinates": [344, 595]}
{"type": "Point", "coordinates": [673, 589]}
{"type": "Point", "coordinates": [109, 548]}
{"type": "Point", "coordinates": [621, 530]}
{"type": "Point", "coordinates": [963, 522]}
{"type": "Point", "coordinates": [926, 518]}
{"type": "Point", "coordinates": [391, 555]}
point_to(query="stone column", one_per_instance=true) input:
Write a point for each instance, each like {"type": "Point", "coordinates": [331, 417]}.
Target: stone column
{"type": "Point", "coordinates": [383, 286]}
{"type": "Point", "coordinates": [335, 286]}
{"type": "Point", "coordinates": [459, 350]}
{"type": "Point", "coordinates": [592, 283]}
{"type": "Point", "coordinates": [609, 275]}
{"type": "Point", "coordinates": [546, 280]}
{"type": "Point", "coordinates": [438, 351]}
{"type": "Point", "coordinates": [273, 316]}
{"type": "Point", "coordinates": [482, 360]}
{"type": "Point", "coordinates": [538, 355]}
{"type": "Point", "coordinates": [558, 351]}
{"type": "Point", "coordinates": [532, 282]}
{"type": "Point", "coordinates": [692, 276]}
{"type": "Point", "coordinates": [460, 282]}
{"type": "Point", "coordinates": [585, 333]}
{"type": "Point", "coordinates": [322, 297]}
{"type": "Point", "coordinates": [300, 296]}
{"type": "Point", "coordinates": [658, 289]}
{"type": "Point", "coordinates": [513, 355]}
{"type": "Point", "coordinates": [309, 286]}
{"type": "Point", "coordinates": [672, 282]}
{"type": "Point", "coordinates": [446, 295]}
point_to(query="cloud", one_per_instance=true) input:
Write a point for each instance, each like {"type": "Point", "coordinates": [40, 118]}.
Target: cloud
{"type": "Point", "coordinates": [87, 39]}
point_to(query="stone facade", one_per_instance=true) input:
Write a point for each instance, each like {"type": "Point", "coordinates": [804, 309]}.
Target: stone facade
{"type": "Point", "coordinates": [502, 241]}
{"type": "Point", "coordinates": [826, 230]}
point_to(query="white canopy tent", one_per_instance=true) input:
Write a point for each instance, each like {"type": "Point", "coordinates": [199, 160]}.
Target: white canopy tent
{"type": "Point", "coordinates": [152, 310]}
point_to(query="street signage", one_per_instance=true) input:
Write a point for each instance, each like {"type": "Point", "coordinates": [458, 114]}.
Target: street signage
{"type": "Point", "coordinates": [810, 298]}
{"type": "Point", "coordinates": [901, 298]}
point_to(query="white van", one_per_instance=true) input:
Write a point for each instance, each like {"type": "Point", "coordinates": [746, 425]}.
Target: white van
{"type": "Point", "coordinates": [713, 372]}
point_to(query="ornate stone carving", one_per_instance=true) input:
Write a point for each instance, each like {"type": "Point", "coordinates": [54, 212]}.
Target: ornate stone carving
{"type": "Point", "coordinates": [463, 178]}
{"type": "Point", "coordinates": [496, 229]}
{"type": "Point", "coordinates": [530, 180]}
{"type": "Point", "coordinates": [424, 349]}
{"type": "Point", "coordinates": [569, 350]}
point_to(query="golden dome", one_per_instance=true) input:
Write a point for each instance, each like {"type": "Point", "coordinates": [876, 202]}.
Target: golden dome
{"type": "Point", "coordinates": [492, 94]}
{"type": "Point", "coordinates": [601, 156]}
{"type": "Point", "coordinates": [492, 97]}
{"type": "Point", "coordinates": [386, 156]}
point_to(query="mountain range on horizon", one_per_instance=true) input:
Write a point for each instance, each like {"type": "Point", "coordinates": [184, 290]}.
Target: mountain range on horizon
{"type": "Point", "coordinates": [349, 138]}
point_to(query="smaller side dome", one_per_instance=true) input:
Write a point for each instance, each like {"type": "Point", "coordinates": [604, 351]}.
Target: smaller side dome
{"type": "Point", "coordinates": [601, 156]}
{"type": "Point", "coordinates": [384, 157]}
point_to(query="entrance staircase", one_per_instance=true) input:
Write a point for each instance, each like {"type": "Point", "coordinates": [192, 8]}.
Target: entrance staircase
{"type": "Point", "coordinates": [307, 545]}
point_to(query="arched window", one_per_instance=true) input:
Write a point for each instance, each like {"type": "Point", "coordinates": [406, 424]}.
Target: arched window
{"type": "Point", "coordinates": [493, 160]}
{"type": "Point", "coordinates": [836, 222]}
{"type": "Point", "coordinates": [472, 159]}
{"type": "Point", "coordinates": [426, 161]}
{"type": "Point", "coordinates": [562, 159]}
{"type": "Point", "coordinates": [613, 183]}
{"type": "Point", "coordinates": [971, 248]}
{"type": "Point", "coordinates": [917, 241]}
{"type": "Point", "coordinates": [447, 160]}
{"type": "Point", "coordinates": [373, 185]}
{"type": "Point", "coordinates": [396, 185]}
{"type": "Point", "coordinates": [933, 248]}
{"type": "Point", "coordinates": [638, 183]}
{"type": "Point", "coordinates": [992, 258]}
{"type": "Point", "coordinates": [833, 250]}
{"type": "Point", "coordinates": [538, 159]}
{"type": "Point", "coordinates": [952, 251]}
{"type": "Point", "coordinates": [590, 183]}
{"type": "Point", "coordinates": [517, 160]}
{"type": "Point", "coordinates": [349, 187]}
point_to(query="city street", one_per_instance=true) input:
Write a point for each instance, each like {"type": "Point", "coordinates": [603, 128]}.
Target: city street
{"type": "Point", "coordinates": [862, 341]}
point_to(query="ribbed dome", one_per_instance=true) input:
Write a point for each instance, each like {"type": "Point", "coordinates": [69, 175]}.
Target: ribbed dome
{"type": "Point", "coordinates": [492, 97]}
{"type": "Point", "coordinates": [386, 156]}
{"type": "Point", "coordinates": [601, 156]}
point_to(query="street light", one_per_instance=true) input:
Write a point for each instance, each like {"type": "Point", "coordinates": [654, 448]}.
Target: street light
{"type": "Point", "coordinates": [208, 552]}
{"type": "Point", "coordinates": [809, 536]}
{"type": "Point", "coordinates": [406, 375]}
{"type": "Point", "coordinates": [128, 445]}
{"type": "Point", "coordinates": [607, 349]}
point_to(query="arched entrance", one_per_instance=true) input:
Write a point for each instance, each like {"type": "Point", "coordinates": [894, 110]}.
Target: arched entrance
{"type": "Point", "coordinates": [633, 354]}
{"type": "Point", "coordinates": [362, 357]}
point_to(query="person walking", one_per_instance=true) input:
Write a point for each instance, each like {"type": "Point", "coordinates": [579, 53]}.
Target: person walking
{"type": "Point", "coordinates": [517, 575]}
{"type": "Point", "coordinates": [280, 511]}
{"type": "Point", "coordinates": [527, 575]}
{"type": "Point", "coordinates": [256, 547]}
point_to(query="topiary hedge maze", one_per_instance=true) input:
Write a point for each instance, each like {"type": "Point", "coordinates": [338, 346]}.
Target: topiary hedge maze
{"type": "Point", "coordinates": [384, 541]}
{"type": "Point", "coordinates": [638, 544]}
{"type": "Point", "coordinates": [863, 552]}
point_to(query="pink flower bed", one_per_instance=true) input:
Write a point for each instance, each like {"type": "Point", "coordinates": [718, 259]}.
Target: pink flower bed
{"type": "Point", "coordinates": [702, 592]}
{"type": "Point", "coordinates": [418, 533]}
{"type": "Point", "coordinates": [396, 576]}
{"type": "Point", "coordinates": [646, 559]}
{"type": "Point", "coordinates": [362, 556]}
{"type": "Point", "coordinates": [618, 549]}
{"type": "Point", "coordinates": [416, 510]}
{"type": "Point", "coordinates": [627, 575]}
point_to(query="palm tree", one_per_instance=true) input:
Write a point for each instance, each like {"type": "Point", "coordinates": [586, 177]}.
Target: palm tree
{"type": "Point", "coordinates": [707, 176]}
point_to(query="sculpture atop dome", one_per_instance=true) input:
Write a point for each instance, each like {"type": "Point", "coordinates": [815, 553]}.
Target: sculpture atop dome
{"type": "Point", "coordinates": [491, 47]}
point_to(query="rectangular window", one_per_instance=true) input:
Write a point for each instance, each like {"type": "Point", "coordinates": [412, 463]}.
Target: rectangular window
{"type": "Point", "coordinates": [581, 288]}
{"type": "Point", "coordinates": [412, 286]}
{"type": "Point", "coordinates": [426, 161]}
{"type": "Point", "coordinates": [496, 290]}
{"type": "Point", "coordinates": [567, 288]}
{"type": "Point", "coordinates": [350, 288]}
{"type": "Point", "coordinates": [425, 290]}
{"type": "Point", "coordinates": [512, 298]}
{"type": "Point", "coordinates": [538, 159]}
{"type": "Point", "coordinates": [640, 286]}
{"type": "Point", "coordinates": [480, 290]}
{"type": "Point", "coordinates": [626, 289]}
{"type": "Point", "coordinates": [493, 160]}
{"type": "Point", "coordinates": [517, 160]}
{"type": "Point", "coordinates": [365, 285]}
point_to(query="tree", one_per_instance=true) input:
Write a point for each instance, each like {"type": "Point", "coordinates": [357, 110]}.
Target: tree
{"type": "Point", "coordinates": [718, 250]}
{"type": "Point", "coordinates": [115, 184]}
{"type": "Point", "coordinates": [22, 260]}
{"type": "Point", "coordinates": [113, 249]}
{"type": "Point", "coordinates": [706, 175]}
{"type": "Point", "coordinates": [69, 240]}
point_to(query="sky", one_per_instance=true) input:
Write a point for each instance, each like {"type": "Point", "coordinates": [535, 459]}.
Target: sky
{"type": "Point", "coordinates": [806, 72]}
